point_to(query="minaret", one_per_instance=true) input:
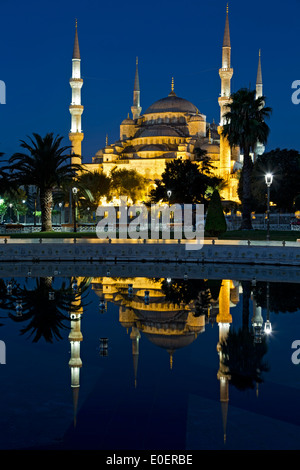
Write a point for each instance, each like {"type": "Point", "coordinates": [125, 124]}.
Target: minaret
{"type": "Point", "coordinates": [260, 148]}
{"type": "Point", "coordinates": [76, 109]}
{"type": "Point", "coordinates": [136, 108]}
{"type": "Point", "coordinates": [226, 73]}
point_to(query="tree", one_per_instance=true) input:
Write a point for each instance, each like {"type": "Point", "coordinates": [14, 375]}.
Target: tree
{"type": "Point", "coordinates": [189, 185]}
{"type": "Point", "coordinates": [285, 166]}
{"type": "Point", "coordinates": [92, 187]}
{"type": "Point", "coordinates": [127, 183]}
{"type": "Point", "coordinates": [215, 223]}
{"type": "Point", "coordinates": [45, 166]}
{"type": "Point", "coordinates": [244, 127]}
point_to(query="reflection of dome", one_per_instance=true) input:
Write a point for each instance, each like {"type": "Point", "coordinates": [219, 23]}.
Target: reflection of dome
{"type": "Point", "coordinates": [173, 104]}
{"type": "Point", "coordinates": [171, 342]}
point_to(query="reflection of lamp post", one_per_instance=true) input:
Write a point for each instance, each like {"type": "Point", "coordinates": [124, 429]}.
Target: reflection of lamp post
{"type": "Point", "coordinates": [269, 180]}
{"type": "Point", "coordinates": [169, 194]}
{"type": "Point", "coordinates": [74, 191]}
{"type": "Point", "coordinates": [268, 326]}
{"type": "Point", "coordinates": [88, 212]}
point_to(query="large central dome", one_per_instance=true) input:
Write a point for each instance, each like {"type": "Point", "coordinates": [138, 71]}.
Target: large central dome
{"type": "Point", "coordinates": [172, 104]}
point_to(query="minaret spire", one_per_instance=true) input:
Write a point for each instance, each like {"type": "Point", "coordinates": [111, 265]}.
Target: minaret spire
{"type": "Point", "coordinates": [76, 109]}
{"type": "Point", "coordinates": [260, 148]}
{"type": "Point", "coordinates": [259, 82]}
{"type": "Point", "coordinates": [136, 108]}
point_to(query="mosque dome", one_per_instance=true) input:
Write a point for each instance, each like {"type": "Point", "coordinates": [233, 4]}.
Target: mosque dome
{"type": "Point", "coordinates": [172, 104]}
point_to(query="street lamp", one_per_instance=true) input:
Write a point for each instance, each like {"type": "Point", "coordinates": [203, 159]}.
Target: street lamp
{"type": "Point", "coordinates": [10, 206]}
{"type": "Point", "coordinates": [74, 191]}
{"type": "Point", "coordinates": [24, 202]}
{"type": "Point", "coordinates": [35, 196]}
{"type": "Point", "coordinates": [60, 206]}
{"type": "Point", "coordinates": [269, 180]}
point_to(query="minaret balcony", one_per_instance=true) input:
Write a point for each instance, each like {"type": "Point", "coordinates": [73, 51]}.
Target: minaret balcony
{"type": "Point", "coordinates": [76, 109]}
{"type": "Point", "coordinates": [76, 82]}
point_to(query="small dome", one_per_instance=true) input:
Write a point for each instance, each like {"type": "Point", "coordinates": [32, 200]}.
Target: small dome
{"type": "Point", "coordinates": [197, 117]}
{"type": "Point", "coordinates": [173, 104]}
{"type": "Point", "coordinates": [127, 121]}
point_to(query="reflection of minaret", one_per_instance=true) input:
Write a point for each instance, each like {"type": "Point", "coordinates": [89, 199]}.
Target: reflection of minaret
{"type": "Point", "coordinates": [257, 322]}
{"type": "Point", "coordinates": [75, 363]}
{"type": "Point", "coordinates": [135, 337]}
{"type": "Point", "coordinates": [224, 319]}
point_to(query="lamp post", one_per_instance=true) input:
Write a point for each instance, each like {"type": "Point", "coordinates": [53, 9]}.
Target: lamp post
{"type": "Point", "coordinates": [60, 206]}
{"type": "Point", "coordinates": [24, 202]}
{"type": "Point", "coordinates": [35, 195]}
{"type": "Point", "coordinates": [269, 180]}
{"type": "Point", "coordinates": [74, 191]}
{"type": "Point", "coordinates": [10, 206]}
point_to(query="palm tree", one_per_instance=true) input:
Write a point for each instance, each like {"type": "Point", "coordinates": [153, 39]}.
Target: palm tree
{"type": "Point", "coordinates": [45, 166]}
{"type": "Point", "coordinates": [244, 127]}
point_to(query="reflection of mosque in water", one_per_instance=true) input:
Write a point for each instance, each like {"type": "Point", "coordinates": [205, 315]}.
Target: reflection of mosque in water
{"type": "Point", "coordinates": [145, 311]}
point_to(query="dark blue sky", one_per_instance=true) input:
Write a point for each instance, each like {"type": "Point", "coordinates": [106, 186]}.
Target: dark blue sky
{"type": "Point", "coordinates": [171, 38]}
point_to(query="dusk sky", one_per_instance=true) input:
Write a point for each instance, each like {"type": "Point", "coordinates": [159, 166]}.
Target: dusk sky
{"type": "Point", "coordinates": [171, 39]}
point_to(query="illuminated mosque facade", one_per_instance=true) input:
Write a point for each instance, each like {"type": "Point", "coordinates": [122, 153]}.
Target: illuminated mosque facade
{"type": "Point", "coordinates": [170, 128]}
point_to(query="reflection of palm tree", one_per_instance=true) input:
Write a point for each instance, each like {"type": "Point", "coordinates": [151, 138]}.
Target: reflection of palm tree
{"type": "Point", "coordinates": [242, 357]}
{"type": "Point", "coordinates": [46, 317]}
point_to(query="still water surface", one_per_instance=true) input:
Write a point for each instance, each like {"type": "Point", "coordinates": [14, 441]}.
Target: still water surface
{"type": "Point", "coordinates": [144, 363]}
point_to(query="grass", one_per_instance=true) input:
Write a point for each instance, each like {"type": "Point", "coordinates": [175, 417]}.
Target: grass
{"type": "Point", "coordinates": [275, 235]}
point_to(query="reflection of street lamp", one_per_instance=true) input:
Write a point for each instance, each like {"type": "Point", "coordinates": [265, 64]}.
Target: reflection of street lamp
{"type": "Point", "coordinates": [88, 211]}
{"type": "Point", "coordinates": [269, 180]}
{"type": "Point", "coordinates": [268, 326]}
{"type": "Point", "coordinates": [74, 191]}
{"type": "Point", "coordinates": [169, 194]}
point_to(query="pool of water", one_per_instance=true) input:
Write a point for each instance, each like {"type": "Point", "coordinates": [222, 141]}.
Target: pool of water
{"type": "Point", "coordinates": [149, 363]}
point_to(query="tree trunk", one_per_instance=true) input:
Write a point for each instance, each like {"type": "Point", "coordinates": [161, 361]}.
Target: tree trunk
{"type": "Point", "coordinates": [246, 202]}
{"type": "Point", "coordinates": [46, 209]}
